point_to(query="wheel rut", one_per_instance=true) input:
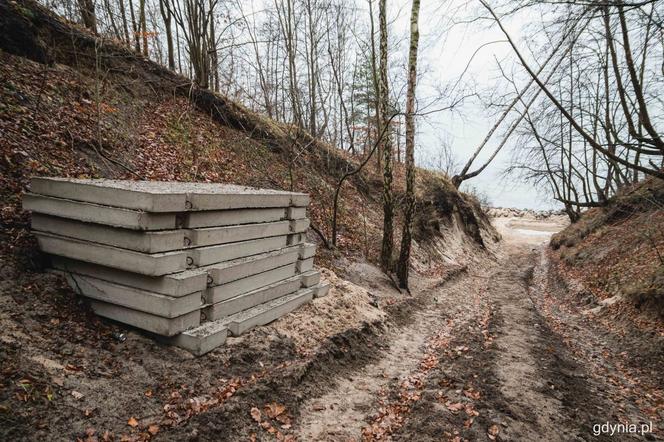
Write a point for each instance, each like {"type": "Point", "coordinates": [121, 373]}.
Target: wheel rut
{"type": "Point", "coordinates": [476, 361]}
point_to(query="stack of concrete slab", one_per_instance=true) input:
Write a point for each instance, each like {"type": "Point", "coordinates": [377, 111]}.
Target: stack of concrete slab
{"type": "Point", "coordinates": [190, 261]}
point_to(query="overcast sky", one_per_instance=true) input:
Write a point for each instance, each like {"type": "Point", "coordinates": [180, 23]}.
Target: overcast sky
{"type": "Point", "coordinates": [445, 52]}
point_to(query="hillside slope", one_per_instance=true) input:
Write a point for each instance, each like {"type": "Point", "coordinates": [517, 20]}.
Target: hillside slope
{"type": "Point", "coordinates": [74, 106]}
{"type": "Point", "coordinates": [607, 276]}
{"type": "Point", "coordinates": [618, 251]}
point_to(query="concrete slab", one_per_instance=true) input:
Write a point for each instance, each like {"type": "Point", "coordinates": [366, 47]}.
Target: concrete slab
{"type": "Point", "coordinates": [140, 195]}
{"type": "Point", "coordinates": [216, 218]}
{"type": "Point", "coordinates": [296, 238]}
{"type": "Point", "coordinates": [248, 300]}
{"type": "Point", "coordinates": [233, 270]}
{"type": "Point", "coordinates": [227, 196]}
{"type": "Point", "coordinates": [235, 288]}
{"type": "Point", "coordinates": [299, 200]}
{"type": "Point", "coordinates": [146, 242]}
{"type": "Point", "coordinates": [310, 278]}
{"type": "Point", "coordinates": [243, 198]}
{"type": "Point", "coordinates": [136, 299]}
{"type": "Point", "coordinates": [307, 250]}
{"type": "Point", "coordinates": [304, 265]}
{"type": "Point", "coordinates": [202, 339]}
{"type": "Point", "coordinates": [166, 196]}
{"type": "Point", "coordinates": [100, 214]}
{"type": "Point", "coordinates": [321, 290]}
{"type": "Point", "coordinates": [266, 313]}
{"type": "Point", "coordinates": [155, 264]}
{"type": "Point", "coordinates": [176, 284]}
{"type": "Point", "coordinates": [222, 235]}
{"type": "Point", "coordinates": [146, 321]}
{"type": "Point", "coordinates": [203, 256]}
{"type": "Point", "coordinates": [297, 212]}
{"type": "Point", "coordinates": [299, 225]}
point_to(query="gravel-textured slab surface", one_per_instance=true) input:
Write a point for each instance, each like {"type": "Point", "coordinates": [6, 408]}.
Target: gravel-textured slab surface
{"type": "Point", "coordinates": [165, 196]}
{"type": "Point", "coordinates": [202, 339]}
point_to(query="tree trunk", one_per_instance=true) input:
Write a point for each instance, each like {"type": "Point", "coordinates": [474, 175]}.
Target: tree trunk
{"type": "Point", "coordinates": [134, 27]}
{"type": "Point", "coordinates": [87, 9]}
{"type": "Point", "coordinates": [125, 26]}
{"type": "Point", "coordinates": [144, 28]}
{"type": "Point", "coordinates": [388, 203]}
{"type": "Point", "coordinates": [404, 255]}
{"type": "Point", "coordinates": [111, 18]}
{"type": "Point", "coordinates": [376, 86]}
{"type": "Point", "coordinates": [168, 18]}
{"type": "Point", "coordinates": [214, 61]}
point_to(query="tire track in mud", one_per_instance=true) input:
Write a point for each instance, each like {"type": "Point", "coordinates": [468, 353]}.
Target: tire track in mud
{"type": "Point", "coordinates": [479, 363]}
{"type": "Point", "coordinates": [532, 411]}
{"type": "Point", "coordinates": [375, 401]}
{"type": "Point", "coordinates": [341, 356]}
{"type": "Point", "coordinates": [516, 381]}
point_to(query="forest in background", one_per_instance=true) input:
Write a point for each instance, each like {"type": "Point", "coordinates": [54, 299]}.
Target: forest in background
{"type": "Point", "coordinates": [578, 104]}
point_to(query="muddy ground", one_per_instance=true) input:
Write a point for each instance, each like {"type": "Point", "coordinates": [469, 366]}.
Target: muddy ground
{"type": "Point", "coordinates": [494, 350]}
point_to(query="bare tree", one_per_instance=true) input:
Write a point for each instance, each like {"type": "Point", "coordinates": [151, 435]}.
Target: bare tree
{"type": "Point", "coordinates": [384, 118]}
{"type": "Point", "coordinates": [87, 9]}
{"type": "Point", "coordinates": [403, 264]}
{"type": "Point", "coordinates": [167, 17]}
{"type": "Point", "coordinates": [193, 17]}
{"type": "Point", "coordinates": [143, 26]}
{"type": "Point", "coordinates": [600, 134]}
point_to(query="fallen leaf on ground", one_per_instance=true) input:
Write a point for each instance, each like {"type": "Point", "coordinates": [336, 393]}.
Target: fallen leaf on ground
{"type": "Point", "coordinates": [472, 394]}
{"type": "Point", "coordinates": [470, 411]}
{"type": "Point", "coordinates": [493, 431]}
{"type": "Point", "coordinates": [153, 429]}
{"type": "Point", "coordinates": [456, 407]}
{"type": "Point", "coordinates": [256, 414]}
{"type": "Point", "coordinates": [132, 422]}
{"type": "Point", "coordinates": [273, 410]}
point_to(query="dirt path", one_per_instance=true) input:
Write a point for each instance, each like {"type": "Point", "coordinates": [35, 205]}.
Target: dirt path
{"type": "Point", "coordinates": [477, 362]}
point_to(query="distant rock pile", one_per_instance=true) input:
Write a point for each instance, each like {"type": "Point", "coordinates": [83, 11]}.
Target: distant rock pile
{"type": "Point", "coordinates": [511, 212]}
